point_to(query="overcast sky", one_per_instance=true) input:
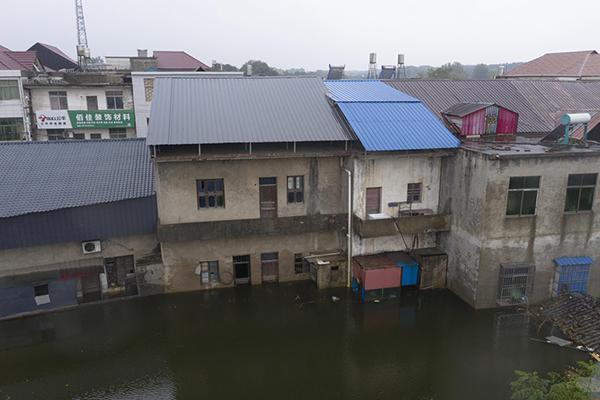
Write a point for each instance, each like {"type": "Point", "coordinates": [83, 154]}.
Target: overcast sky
{"type": "Point", "coordinates": [312, 34]}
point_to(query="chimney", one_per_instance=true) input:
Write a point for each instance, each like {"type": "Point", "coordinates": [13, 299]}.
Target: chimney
{"type": "Point", "coordinates": [142, 52]}
{"type": "Point", "coordinates": [501, 70]}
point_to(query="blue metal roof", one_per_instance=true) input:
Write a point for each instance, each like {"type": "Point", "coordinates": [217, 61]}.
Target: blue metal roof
{"type": "Point", "coordinates": [387, 120]}
{"type": "Point", "coordinates": [574, 261]}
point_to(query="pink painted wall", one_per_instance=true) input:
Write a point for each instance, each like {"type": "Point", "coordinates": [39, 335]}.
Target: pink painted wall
{"type": "Point", "coordinates": [473, 124]}
{"type": "Point", "coordinates": [507, 121]}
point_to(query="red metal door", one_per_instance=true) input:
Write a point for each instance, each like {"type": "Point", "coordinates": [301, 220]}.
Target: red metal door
{"type": "Point", "coordinates": [268, 197]}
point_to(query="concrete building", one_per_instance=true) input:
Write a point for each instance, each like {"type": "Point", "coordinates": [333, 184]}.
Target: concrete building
{"type": "Point", "coordinates": [77, 223]}
{"type": "Point", "coordinates": [524, 222]}
{"type": "Point", "coordinates": [250, 183]}
{"type": "Point", "coordinates": [87, 105]}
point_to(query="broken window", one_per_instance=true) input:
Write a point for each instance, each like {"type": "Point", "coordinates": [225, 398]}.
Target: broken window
{"type": "Point", "coordinates": [211, 193]}
{"type": "Point", "coordinates": [515, 283]}
{"type": "Point", "coordinates": [58, 100]}
{"type": "Point", "coordinates": [114, 99]}
{"type": "Point", "coordinates": [522, 195]}
{"type": "Point", "coordinates": [295, 189]}
{"type": "Point", "coordinates": [580, 192]}
{"type": "Point", "coordinates": [413, 193]}
{"type": "Point", "coordinates": [209, 271]}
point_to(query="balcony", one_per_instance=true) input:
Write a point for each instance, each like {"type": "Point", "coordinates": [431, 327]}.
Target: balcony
{"type": "Point", "coordinates": [251, 227]}
{"type": "Point", "coordinates": [409, 225]}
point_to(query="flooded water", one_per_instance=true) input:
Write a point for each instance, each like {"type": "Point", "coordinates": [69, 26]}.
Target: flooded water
{"type": "Point", "coordinates": [263, 343]}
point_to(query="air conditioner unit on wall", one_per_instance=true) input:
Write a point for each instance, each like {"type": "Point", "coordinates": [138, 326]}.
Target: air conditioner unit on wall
{"type": "Point", "coordinates": [92, 246]}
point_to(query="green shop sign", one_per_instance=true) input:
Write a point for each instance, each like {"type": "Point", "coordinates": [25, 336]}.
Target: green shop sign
{"type": "Point", "coordinates": [69, 119]}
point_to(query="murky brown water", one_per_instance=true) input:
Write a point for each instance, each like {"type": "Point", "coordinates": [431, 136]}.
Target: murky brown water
{"type": "Point", "coordinates": [261, 343]}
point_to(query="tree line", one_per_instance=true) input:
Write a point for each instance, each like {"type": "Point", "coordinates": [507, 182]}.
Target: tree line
{"type": "Point", "coordinates": [454, 70]}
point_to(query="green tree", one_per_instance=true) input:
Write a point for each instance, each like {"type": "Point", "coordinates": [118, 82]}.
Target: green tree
{"type": "Point", "coordinates": [570, 385]}
{"type": "Point", "coordinates": [96, 60]}
{"type": "Point", "coordinates": [453, 70]}
{"type": "Point", "coordinates": [259, 68]}
{"type": "Point", "coordinates": [481, 71]}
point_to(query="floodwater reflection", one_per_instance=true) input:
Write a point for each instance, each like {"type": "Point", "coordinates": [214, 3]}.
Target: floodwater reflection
{"type": "Point", "coordinates": [265, 342]}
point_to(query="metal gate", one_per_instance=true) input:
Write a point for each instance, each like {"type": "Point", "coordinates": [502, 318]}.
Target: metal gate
{"type": "Point", "coordinates": [241, 269]}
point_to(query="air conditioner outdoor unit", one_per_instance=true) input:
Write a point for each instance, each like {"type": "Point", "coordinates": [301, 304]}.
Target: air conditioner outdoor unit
{"type": "Point", "coordinates": [68, 135]}
{"type": "Point", "coordinates": [92, 246]}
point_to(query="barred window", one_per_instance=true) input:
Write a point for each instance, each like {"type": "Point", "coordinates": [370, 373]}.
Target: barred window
{"type": "Point", "coordinates": [211, 193]}
{"type": "Point", "coordinates": [301, 266]}
{"type": "Point", "coordinates": [515, 283]}
{"type": "Point", "coordinates": [295, 189]}
{"type": "Point", "coordinates": [580, 192]}
{"type": "Point", "coordinates": [413, 193]}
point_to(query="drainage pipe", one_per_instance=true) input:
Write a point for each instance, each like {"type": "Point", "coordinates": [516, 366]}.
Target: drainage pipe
{"type": "Point", "coordinates": [349, 235]}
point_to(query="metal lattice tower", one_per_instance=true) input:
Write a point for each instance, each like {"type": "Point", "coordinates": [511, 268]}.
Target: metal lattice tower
{"type": "Point", "coordinates": [82, 44]}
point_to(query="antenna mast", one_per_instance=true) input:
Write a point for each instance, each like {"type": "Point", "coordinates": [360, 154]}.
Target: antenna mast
{"type": "Point", "coordinates": [83, 52]}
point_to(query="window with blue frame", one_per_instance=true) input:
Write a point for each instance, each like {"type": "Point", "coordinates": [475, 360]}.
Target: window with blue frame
{"type": "Point", "coordinates": [571, 275]}
{"type": "Point", "coordinates": [211, 194]}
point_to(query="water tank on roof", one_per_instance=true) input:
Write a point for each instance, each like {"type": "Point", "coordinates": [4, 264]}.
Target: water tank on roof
{"type": "Point", "coordinates": [373, 58]}
{"type": "Point", "coordinates": [574, 119]}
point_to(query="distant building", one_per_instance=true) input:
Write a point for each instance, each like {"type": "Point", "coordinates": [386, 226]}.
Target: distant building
{"type": "Point", "coordinates": [574, 65]}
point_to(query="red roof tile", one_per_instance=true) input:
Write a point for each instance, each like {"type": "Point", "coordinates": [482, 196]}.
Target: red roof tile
{"type": "Point", "coordinates": [177, 60]}
{"type": "Point", "coordinates": [17, 60]}
{"type": "Point", "coordinates": [571, 64]}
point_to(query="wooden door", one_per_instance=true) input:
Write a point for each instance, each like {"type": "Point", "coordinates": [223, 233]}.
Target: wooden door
{"type": "Point", "coordinates": [270, 267]}
{"type": "Point", "coordinates": [268, 197]}
{"type": "Point", "coordinates": [373, 201]}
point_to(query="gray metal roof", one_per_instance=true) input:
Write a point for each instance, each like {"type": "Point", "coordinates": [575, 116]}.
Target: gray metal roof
{"type": "Point", "coordinates": [203, 110]}
{"type": "Point", "coordinates": [539, 103]}
{"type": "Point", "coordinates": [461, 109]}
{"type": "Point", "coordinates": [45, 176]}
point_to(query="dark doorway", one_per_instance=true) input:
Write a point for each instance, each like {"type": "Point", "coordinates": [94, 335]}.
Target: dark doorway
{"type": "Point", "coordinates": [270, 267]}
{"type": "Point", "coordinates": [241, 267]}
{"type": "Point", "coordinates": [90, 289]}
{"type": "Point", "coordinates": [268, 197]}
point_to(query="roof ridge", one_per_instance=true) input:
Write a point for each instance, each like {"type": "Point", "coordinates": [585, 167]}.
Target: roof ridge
{"type": "Point", "coordinates": [584, 62]}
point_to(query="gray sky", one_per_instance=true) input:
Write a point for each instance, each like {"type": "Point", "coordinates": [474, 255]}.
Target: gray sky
{"type": "Point", "coordinates": [312, 33]}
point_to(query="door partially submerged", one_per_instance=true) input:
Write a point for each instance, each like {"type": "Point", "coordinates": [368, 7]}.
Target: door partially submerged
{"type": "Point", "coordinates": [270, 267]}
{"type": "Point", "coordinates": [241, 268]}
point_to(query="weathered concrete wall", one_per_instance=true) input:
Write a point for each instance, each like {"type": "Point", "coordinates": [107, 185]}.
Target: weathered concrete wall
{"type": "Point", "coordinates": [463, 193]}
{"type": "Point", "coordinates": [181, 258]}
{"type": "Point", "coordinates": [393, 173]}
{"type": "Point", "coordinates": [176, 188]}
{"type": "Point", "coordinates": [483, 237]}
{"type": "Point", "coordinates": [539, 239]}
{"type": "Point", "coordinates": [13, 260]}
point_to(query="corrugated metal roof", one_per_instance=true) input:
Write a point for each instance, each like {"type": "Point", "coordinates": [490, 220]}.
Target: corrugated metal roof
{"type": "Point", "coordinates": [539, 103]}
{"type": "Point", "coordinates": [387, 120]}
{"type": "Point", "coordinates": [52, 175]}
{"type": "Point", "coordinates": [365, 91]}
{"type": "Point", "coordinates": [574, 261]}
{"type": "Point", "coordinates": [203, 110]}
{"type": "Point", "coordinates": [462, 109]}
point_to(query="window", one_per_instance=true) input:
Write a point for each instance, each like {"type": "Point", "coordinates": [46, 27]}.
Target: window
{"type": "Point", "coordinates": [413, 193]}
{"type": "Point", "coordinates": [92, 102]}
{"type": "Point", "coordinates": [95, 136]}
{"type": "Point", "coordinates": [117, 133]}
{"type": "Point", "coordinates": [515, 283]}
{"type": "Point", "coordinates": [580, 192]}
{"type": "Point", "coordinates": [148, 88]}
{"type": "Point", "coordinates": [9, 90]}
{"type": "Point", "coordinates": [58, 101]}
{"type": "Point", "coordinates": [10, 129]}
{"type": "Point", "coordinates": [210, 193]}
{"type": "Point", "coordinates": [56, 134]}
{"type": "Point", "coordinates": [79, 136]}
{"type": "Point", "coordinates": [114, 99]}
{"type": "Point", "coordinates": [522, 195]}
{"type": "Point", "coordinates": [301, 266]}
{"type": "Point", "coordinates": [41, 290]}
{"type": "Point", "coordinates": [295, 189]}
{"type": "Point", "coordinates": [209, 271]}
